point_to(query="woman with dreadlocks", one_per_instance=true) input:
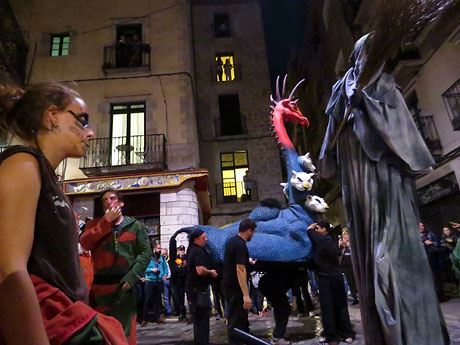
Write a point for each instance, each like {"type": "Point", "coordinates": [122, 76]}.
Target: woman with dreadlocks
{"type": "Point", "coordinates": [379, 150]}
{"type": "Point", "coordinates": [42, 290]}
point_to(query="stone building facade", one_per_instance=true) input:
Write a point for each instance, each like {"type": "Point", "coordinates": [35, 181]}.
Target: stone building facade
{"type": "Point", "coordinates": [232, 107]}
{"type": "Point", "coordinates": [133, 64]}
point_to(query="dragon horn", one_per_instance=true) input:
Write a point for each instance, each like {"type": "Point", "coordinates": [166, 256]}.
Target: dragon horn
{"type": "Point", "coordinates": [278, 88]}
{"type": "Point", "coordinates": [295, 101]}
{"type": "Point", "coordinates": [271, 99]}
{"type": "Point", "coordinates": [295, 87]}
{"type": "Point", "coordinates": [284, 85]}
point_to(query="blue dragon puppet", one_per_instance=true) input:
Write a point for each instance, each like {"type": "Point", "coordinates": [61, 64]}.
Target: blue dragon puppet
{"type": "Point", "coordinates": [281, 233]}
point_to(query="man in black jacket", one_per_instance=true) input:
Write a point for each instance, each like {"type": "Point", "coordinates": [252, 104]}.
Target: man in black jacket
{"type": "Point", "coordinates": [178, 276]}
{"type": "Point", "coordinates": [332, 296]}
{"type": "Point", "coordinates": [199, 276]}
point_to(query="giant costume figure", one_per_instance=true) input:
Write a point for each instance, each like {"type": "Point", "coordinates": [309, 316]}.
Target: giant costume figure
{"type": "Point", "coordinates": [378, 151]}
{"type": "Point", "coordinates": [281, 234]}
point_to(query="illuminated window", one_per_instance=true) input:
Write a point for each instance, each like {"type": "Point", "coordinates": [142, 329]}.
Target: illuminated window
{"type": "Point", "coordinates": [128, 129]}
{"type": "Point", "coordinates": [233, 167]}
{"type": "Point", "coordinates": [225, 67]}
{"type": "Point", "coordinates": [60, 44]}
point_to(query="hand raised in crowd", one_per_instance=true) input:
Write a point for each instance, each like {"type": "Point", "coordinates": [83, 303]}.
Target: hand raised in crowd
{"type": "Point", "coordinates": [113, 213]}
{"type": "Point", "coordinates": [155, 270]}
{"type": "Point", "coordinates": [247, 303]}
{"type": "Point", "coordinates": [252, 261]}
{"type": "Point", "coordinates": [312, 226]}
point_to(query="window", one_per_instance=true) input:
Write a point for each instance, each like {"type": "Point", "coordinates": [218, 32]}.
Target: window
{"type": "Point", "coordinates": [233, 167]}
{"type": "Point", "coordinates": [225, 67]}
{"type": "Point", "coordinates": [452, 101]}
{"type": "Point", "coordinates": [221, 25]}
{"type": "Point", "coordinates": [60, 44]}
{"type": "Point", "coordinates": [129, 45]}
{"type": "Point", "coordinates": [230, 118]}
{"type": "Point", "coordinates": [127, 133]}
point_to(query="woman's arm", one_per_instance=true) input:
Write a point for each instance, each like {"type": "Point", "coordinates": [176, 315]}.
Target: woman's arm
{"type": "Point", "coordinates": [20, 317]}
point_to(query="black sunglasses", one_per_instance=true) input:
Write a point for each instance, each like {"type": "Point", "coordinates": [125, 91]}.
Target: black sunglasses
{"type": "Point", "coordinates": [83, 118]}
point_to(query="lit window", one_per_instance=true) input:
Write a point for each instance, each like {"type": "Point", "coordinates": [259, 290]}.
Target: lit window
{"type": "Point", "coordinates": [233, 166]}
{"type": "Point", "coordinates": [225, 67]}
{"type": "Point", "coordinates": [60, 44]}
{"type": "Point", "coordinates": [128, 133]}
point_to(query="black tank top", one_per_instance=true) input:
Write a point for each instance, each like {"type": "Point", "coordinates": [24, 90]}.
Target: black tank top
{"type": "Point", "coordinates": [54, 256]}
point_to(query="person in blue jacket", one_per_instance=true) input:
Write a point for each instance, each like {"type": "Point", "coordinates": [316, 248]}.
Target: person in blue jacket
{"type": "Point", "coordinates": [155, 274]}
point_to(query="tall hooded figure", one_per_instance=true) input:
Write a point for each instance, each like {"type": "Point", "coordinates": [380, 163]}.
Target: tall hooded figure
{"type": "Point", "coordinates": [379, 151]}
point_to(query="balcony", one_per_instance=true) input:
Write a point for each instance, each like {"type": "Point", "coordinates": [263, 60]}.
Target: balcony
{"type": "Point", "coordinates": [452, 102]}
{"type": "Point", "coordinates": [427, 129]}
{"type": "Point", "coordinates": [233, 192]}
{"type": "Point", "coordinates": [106, 156]}
{"type": "Point", "coordinates": [230, 127]}
{"type": "Point", "coordinates": [130, 57]}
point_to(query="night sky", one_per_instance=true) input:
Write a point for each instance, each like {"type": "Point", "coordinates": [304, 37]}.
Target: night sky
{"type": "Point", "coordinates": [284, 24]}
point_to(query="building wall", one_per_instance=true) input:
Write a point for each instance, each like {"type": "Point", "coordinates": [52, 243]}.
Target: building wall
{"type": "Point", "coordinates": [166, 89]}
{"type": "Point", "coordinates": [248, 48]}
{"type": "Point", "coordinates": [440, 72]}
{"type": "Point", "coordinates": [178, 209]}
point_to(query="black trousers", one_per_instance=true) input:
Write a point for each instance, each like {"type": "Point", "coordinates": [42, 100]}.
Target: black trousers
{"type": "Point", "coordinates": [334, 310]}
{"type": "Point", "coordinates": [178, 292]}
{"type": "Point", "coordinates": [275, 291]}
{"type": "Point", "coordinates": [200, 307]}
{"type": "Point", "coordinates": [237, 315]}
{"type": "Point", "coordinates": [152, 300]}
{"type": "Point", "coordinates": [348, 271]}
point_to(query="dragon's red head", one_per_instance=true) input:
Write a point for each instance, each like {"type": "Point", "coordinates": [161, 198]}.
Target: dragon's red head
{"type": "Point", "coordinates": [288, 107]}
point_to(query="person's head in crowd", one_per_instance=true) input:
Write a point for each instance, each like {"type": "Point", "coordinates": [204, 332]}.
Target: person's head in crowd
{"type": "Point", "coordinates": [111, 198]}
{"type": "Point", "coordinates": [181, 250]}
{"type": "Point", "coordinates": [323, 227]}
{"type": "Point", "coordinates": [422, 227]}
{"type": "Point", "coordinates": [157, 250]}
{"type": "Point", "coordinates": [198, 237]}
{"type": "Point", "coordinates": [345, 236]}
{"type": "Point", "coordinates": [49, 116]}
{"type": "Point", "coordinates": [164, 253]}
{"type": "Point", "coordinates": [247, 229]}
{"type": "Point", "coordinates": [447, 231]}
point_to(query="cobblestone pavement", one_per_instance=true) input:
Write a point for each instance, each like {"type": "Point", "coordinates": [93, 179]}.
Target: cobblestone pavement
{"type": "Point", "coordinates": [301, 331]}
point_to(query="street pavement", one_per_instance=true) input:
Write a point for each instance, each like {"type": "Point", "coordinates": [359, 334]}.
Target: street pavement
{"type": "Point", "coordinates": [301, 330]}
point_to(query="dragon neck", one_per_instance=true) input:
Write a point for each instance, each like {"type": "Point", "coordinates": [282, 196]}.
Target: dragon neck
{"type": "Point", "coordinates": [280, 131]}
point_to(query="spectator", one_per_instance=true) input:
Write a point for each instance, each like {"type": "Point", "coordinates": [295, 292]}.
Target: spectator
{"type": "Point", "coordinates": [228, 68]}
{"type": "Point", "coordinates": [346, 264]}
{"type": "Point", "coordinates": [235, 278]}
{"type": "Point", "coordinates": [38, 250]}
{"type": "Point", "coordinates": [155, 276]}
{"type": "Point", "coordinates": [178, 277]}
{"type": "Point", "coordinates": [332, 297]}
{"type": "Point", "coordinates": [257, 297]}
{"type": "Point", "coordinates": [247, 184]}
{"type": "Point", "coordinates": [220, 69]}
{"type": "Point", "coordinates": [122, 52]}
{"type": "Point", "coordinates": [300, 291]}
{"type": "Point", "coordinates": [432, 248]}
{"type": "Point", "coordinates": [197, 285]}
{"type": "Point", "coordinates": [167, 284]}
{"type": "Point", "coordinates": [135, 46]}
{"type": "Point", "coordinates": [120, 250]}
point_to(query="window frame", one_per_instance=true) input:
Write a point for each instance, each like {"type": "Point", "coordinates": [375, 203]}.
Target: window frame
{"type": "Point", "coordinates": [128, 113]}
{"type": "Point", "coordinates": [61, 37]}
{"type": "Point", "coordinates": [234, 167]}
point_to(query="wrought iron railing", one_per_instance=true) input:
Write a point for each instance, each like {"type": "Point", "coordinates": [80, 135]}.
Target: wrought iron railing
{"type": "Point", "coordinates": [122, 151]}
{"type": "Point", "coordinates": [235, 126]}
{"type": "Point", "coordinates": [231, 192]}
{"type": "Point", "coordinates": [427, 128]}
{"type": "Point", "coordinates": [452, 101]}
{"type": "Point", "coordinates": [126, 56]}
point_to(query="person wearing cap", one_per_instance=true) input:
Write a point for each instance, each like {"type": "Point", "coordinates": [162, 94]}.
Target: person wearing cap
{"type": "Point", "coordinates": [178, 277]}
{"type": "Point", "coordinates": [198, 279]}
{"type": "Point", "coordinates": [332, 296]}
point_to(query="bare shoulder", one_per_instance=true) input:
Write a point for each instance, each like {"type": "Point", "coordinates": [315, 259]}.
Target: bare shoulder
{"type": "Point", "coordinates": [20, 169]}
